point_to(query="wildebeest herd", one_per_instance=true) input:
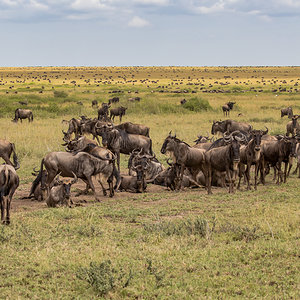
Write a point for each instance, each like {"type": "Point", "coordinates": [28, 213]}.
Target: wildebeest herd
{"type": "Point", "coordinates": [210, 162]}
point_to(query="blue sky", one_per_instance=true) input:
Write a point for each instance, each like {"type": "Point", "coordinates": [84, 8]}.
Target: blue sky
{"type": "Point", "coordinates": [149, 32]}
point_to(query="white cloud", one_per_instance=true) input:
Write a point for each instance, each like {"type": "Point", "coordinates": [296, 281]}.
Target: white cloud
{"type": "Point", "coordinates": [138, 22]}
{"type": "Point", "coordinates": [154, 2]}
{"type": "Point", "coordinates": [89, 4]}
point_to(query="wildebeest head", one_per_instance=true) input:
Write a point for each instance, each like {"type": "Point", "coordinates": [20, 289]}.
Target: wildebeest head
{"type": "Point", "coordinates": [230, 104]}
{"type": "Point", "coordinates": [294, 123]}
{"type": "Point", "coordinates": [202, 139]}
{"type": "Point", "coordinates": [108, 133]}
{"type": "Point", "coordinates": [140, 177]}
{"type": "Point", "coordinates": [218, 126]}
{"type": "Point", "coordinates": [256, 136]}
{"type": "Point", "coordinates": [66, 184]}
{"type": "Point", "coordinates": [168, 144]}
{"type": "Point", "coordinates": [66, 137]}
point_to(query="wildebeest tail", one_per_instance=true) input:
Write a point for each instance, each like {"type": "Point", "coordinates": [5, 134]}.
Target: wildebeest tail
{"type": "Point", "coordinates": [31, 117]}
{"type": "Point", "coordinates": [15, 157]}
{"type": "Point", "coordinates": [151, 152]}
{"type": "Point", "coordinates": [37, 180]}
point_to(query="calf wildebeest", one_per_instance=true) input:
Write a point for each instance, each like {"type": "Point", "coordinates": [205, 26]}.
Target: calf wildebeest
{"type": "Point", "coordinates": [249, 155]}
{"type": "Point", "coordinates": [223, 159]}
{"type": "Point", "coordinates": [94, 103]}
{"type": "Point", "coordinates": [74, 127]}
{"type": "Point", "coordinates": [23, 114]}
{"type": "Point", "coordinates": [183, 101]}
{"type": "Point", "coordinates": [78, 144]}
{"type": "Point", "coordinates": [229, 126]}
{"type": "Point", "coordinates": [227, 108]}
{"type": "Point", "coordinates": [9, 181]}
{"type": "Point", "coordinates": [38, 186]}
{"type": "Point", "coordinates": [136, 184]}
{"type": "Point", "coordinates": [119, 141]}
{"type": "Point", "coordinates": [293, 127]}
{"type": "Point", "coordinates": [103, 112]}
{"type": "Point", "coordinates": [134, 128]}
{"type": "Point", "coordinates": [60, 193]}
{"type": "Point", "coordinates": [152, 166]}
{"type": "Point", "coordinates": [119, 111]}
{"type": "Point", "coordinates": [276, 152]}
{"type": "Point", "coordinates": [287, 112]}
{"type": "Point", "coordinates": [6, 149]}
{"type": "Point", "coordinates": [82, 164]}
{"type": "Point", "coordinates": [184, 155]}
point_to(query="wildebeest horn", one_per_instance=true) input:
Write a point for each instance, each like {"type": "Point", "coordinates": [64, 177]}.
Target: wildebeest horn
{"type": "Point", "coordinates": [67, 150]}
{"type": "Point", "coordinates": [227, 138]}
{"type": "Point", "coordinates": [240, 139]}
{"type": "Point", "coordinates": [75, 178]}
{"type": "Point", "coordinates": [168, 162]}
{"type": "Point", "coordinates": [63, 132]}
{"type": "Point", "coordinates": [65, 144]}
{"type": "Point", "coordinates": [265, 132]}
{"type": "Point", "coordinates": [57, 178]}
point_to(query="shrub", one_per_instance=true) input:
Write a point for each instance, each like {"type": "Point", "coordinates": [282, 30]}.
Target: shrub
{"type": "Point", "coordinates": [197, 104]}
{"type": "Point", "coordinates": [60, 94]}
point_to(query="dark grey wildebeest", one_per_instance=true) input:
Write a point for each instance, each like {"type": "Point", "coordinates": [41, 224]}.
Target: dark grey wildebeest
{"type": "Point", "coordinates": [227, 108]}
{"type": "Point", "coordinates": [119, 111]}
{"type": "Point", "coordinates": [229, 126]}
{"type": "Point", "coordinates": [21, 114]}
{"type": "Point", "coordinates": [287, 112]}
{"type": "Point", "coordinates": [6, 149]}
{"type": "Point", "coordinates": [293, 127]}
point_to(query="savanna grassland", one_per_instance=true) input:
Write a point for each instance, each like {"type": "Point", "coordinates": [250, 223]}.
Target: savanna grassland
{"type": "Point", "coordinates": [161, 244]}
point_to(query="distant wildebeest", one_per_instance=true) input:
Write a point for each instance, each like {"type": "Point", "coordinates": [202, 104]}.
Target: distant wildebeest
{"type": "Point", "coordinates": [276, 152]}
{"type": "Point", "coordinates": [229, 126]}
{"type": "Point", "coordinates": [79, 103]}
{"type": "Point", "coordinates": [23, 102]}
{"type": "Point", "coordinates": [94, 103]}
{"type": "Point", "coordinates": [103, 112]}
{"type": "Point", "coordinates": [74, 127]}
{"type": "Point", "coordinates": [21, 114]}
{"type": "Point", "coordinates": [183, 101]}
{"type": "Point", "coordinates": [227, 108]}
{"type": "Point", "coordinates": [223, 159]}
{"type": "Point", "coordinates": [9, 181]}
{"type": "Point", "coordinates": [60, 193]}
{"type": "Point", "coordinates": [134, 99]}
{"type": "Point", "coordinates": [119, 111]}
{"type": "Point", "coordinates": [203, 142]}
{"type": "Point", "coordinates": [183, 155]}
{"type": "Point", "coordinates": [82, 164]}
{"type": "Point", "coordinates": [134, 128]}
{"type": "Point", "coordinates": [113, 100]}
{"type": "Point", "coordinates": [287, 112]}
{"type": "Point", "coordinates": [6, 149]}
{"type": "Point", "coordinates": [293, 127]}
{"type": "Point", "coordinates": [119, 141]}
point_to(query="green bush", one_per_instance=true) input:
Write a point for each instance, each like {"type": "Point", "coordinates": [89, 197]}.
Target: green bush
{"type": "Point", "coordinates": [197, 104]}
{"type": "Point", "coordinates": [60, 94]}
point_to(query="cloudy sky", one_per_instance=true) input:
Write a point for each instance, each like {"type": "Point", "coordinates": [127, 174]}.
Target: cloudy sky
{"type": "Point", "coordinates": [149, 32]}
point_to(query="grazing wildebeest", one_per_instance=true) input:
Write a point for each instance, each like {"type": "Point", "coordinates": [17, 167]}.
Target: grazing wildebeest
{"type": "Point", "coordinates": [287, 112]}
{"type": "Point", "coordinates": [229, 126]}
{"type": "Point", "coordinates": [94, 103]}
{"type": "Point", "coordinates": [119, 141]}
{"type": "Point", "coordinates": [103, 112]}
{"type": "Point", "coordinates": [250, 155]}
{"type": "Point", "coordinates": [276, 152]}
{"type": "Point", "coordinates": [136, 184]}
{"type": "Point", "coordinates": [82, 164]}
{"type": "Point", "coordinates": [74, 127]}
{"type": "Point", "coordinates": [23, 114]}
{"type": "Point", "coordinates": [152, 166]}
{"type": "Point", "coordinates": [6, 149]}
{"type": "Point", "coordinates": [119, 111]}
{"type": "Point", "coordinates": [9, 181]}
{"type": "Point", "coordinates": [134, 128]}
{"type": "Point", "coordinates": [227, 108]}
{"type": "Point", "coordinates": [183, 155]}
{"type": "Point", "coordinates": [293, 127]}
{"type": "Point", "coordinates": [60, 193]}
{"type": "Point", "coordinates": [183, 101]}
{"type": "Point", "coordinates": [113, 100]}
{"type": "Point", "coordinates": [223, 159]}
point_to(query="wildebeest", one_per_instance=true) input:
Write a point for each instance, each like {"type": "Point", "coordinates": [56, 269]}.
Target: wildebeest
{"type": "Point", "coordinates": [183, 101]}
{"type": "Point", "coordinates": [78, 144]}
{"type": "Point", "coordinates": [203, 142]}
{"type": "Point", "coordinates": [82, 164]}
{"type": "Point", "coordinates": [293, 127]}
{"type": "Point", "coordinates": [134, 99]}
{"type": "Point", "coordinates": [136, 184]}
{"type": "Point", "coordinates": [223, 159]}
{"type": "Point", "coordinates": [23, 102]}
{"type": "Point", "coordinates": [103, 112]}
{"type": "Point", "coordinates": [134, 128]}
{"type": "Point", "coordinates": [184, 155]}
{"type": "Point", "coordinates": [21, 114]}
{"type": "Point", "coordinates": [37, 189]}
{"type": "Point", "coordinates": [60, 193]}
{"type": "Point", "coordinates": [276, 152]}
{"type": "Point", "coordinates": [249, 155]}
{"type": "Point", "coordinates": [94, 103]}
{"type": "Point", "coordinates": [9, 181]}
{"type": "Point", "coordinates": [6, 149]}
{"type": "Point", "coordinates": [229, 126]}
{"type": "Point", "coordinates": [287, 112]}
{"type": "Point", "coordinates": [119, 141]}
{"type": "Point", "coordinates": [227, 108]}
{"type": "Point", "coordinates": [119, 111]}
{"type": "Point", "coordinates": [113, 100]}
{"type": "Point", "coordinates": [74, 127]}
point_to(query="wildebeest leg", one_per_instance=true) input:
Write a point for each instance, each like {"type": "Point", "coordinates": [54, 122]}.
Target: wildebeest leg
{"type": "Point", "coordinates": [248, 175]}
{"type": "Point", "coordinates": [7, 160]}
{"type": "Point", "coordinates": [230, 180]}
{"type": "Point", "coordinates": [262, 171]}
{"type": "Point", "coordinates": [256, 175]}
{"type": "Point", "coordinates": [275, 173]}
{"type": "Point", "coordinates": [295, 172]}
{"type": "Point", "coordinates": [208, 180]}
{"type": "Point", "coordinates": [240, 176]}
{"type": "Point", "coordinates": [180, 177]}
{"type": "Point", "coordinates": [2, 208]}
{"type": "Point", "coordinates": [279, 176]}
{"type": "Point", "coordinates": [118, 160]}
{"type": "Point", "coordinates": [90, 182]}
{"type": "Point", "coordinates": [285, 171]}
